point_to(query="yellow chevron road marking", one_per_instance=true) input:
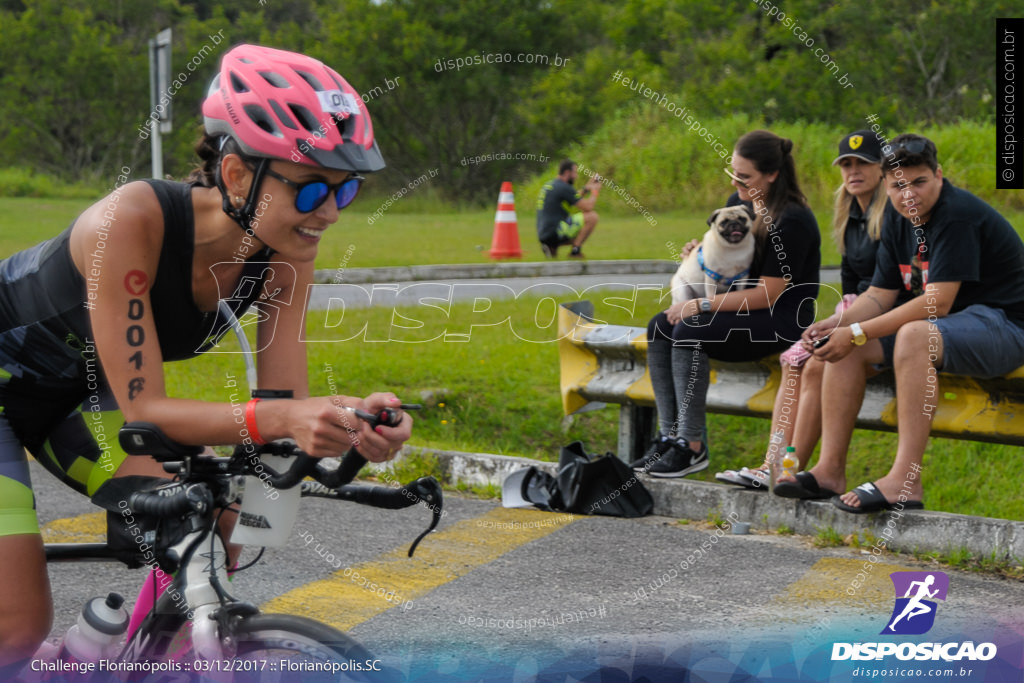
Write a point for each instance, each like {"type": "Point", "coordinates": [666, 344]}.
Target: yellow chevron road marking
{"type": "Point", "coordinates": [830, 580]}
{"type": "Point", "coordinates": [88, 528]}
{"type": "Point", "coordinates": [355, 594]}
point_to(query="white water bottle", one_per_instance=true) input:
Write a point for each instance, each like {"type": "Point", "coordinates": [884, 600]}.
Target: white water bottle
{"type": "Point", "coordinates": [101, 625]}
{"type": "Point", "coordinates": [267, 514]}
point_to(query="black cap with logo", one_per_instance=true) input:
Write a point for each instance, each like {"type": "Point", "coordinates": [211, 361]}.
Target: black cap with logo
{"type": "Point", "coordinates": [862, 144]}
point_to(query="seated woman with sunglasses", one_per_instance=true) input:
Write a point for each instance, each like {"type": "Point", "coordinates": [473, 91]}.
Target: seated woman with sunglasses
{"type": "Point", "coordinates": [88, 318]}
{"type": "Point", "coordinates": [741, 324]}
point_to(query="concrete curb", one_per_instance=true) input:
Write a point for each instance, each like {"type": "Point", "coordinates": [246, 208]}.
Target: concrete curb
{"type": "Point", "coordinates": [910, 531]}
{"type": "Point", "coordinates": [493, 270]}
{"type": "Point", "coordinates": [481, 271]}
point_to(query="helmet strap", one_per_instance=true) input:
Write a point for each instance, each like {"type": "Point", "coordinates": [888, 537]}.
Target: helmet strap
{"type": "Point", "coordinates": [244, 216]}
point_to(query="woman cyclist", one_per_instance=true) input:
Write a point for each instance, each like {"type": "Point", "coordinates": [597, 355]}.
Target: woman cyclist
{"type": "Point", "coordinates": [88, 318]}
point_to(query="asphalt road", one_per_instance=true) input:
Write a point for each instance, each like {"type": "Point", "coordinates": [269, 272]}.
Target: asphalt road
{"type": "Point", "coordinates": [500, 594]}
{"type": "Point", "coordinates": [566, 288]}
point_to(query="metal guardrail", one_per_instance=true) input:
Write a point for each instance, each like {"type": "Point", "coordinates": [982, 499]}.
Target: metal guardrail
{"type": "Point", "coordinates": [602, 364]}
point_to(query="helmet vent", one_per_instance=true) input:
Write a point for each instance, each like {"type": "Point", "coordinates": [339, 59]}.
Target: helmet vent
{"type": "Point", "coordinates": [344, 124]}
{"type": "Point", "coordinates": [311, 79]}
{"type": "Point", "coordinates": [282, 115]}
{"type": "Point", "coordinates": [238, 84]}
{"type": "Point", "coordinates": [305, 117]}
{"type": "Point", "coordinates": [274, 79]}
{"type": "Point", "coordinates": [259, 116]}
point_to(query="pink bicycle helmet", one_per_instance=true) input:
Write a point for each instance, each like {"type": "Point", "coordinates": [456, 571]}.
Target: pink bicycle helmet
{"type": "Point", "coordinates": [282, 105]}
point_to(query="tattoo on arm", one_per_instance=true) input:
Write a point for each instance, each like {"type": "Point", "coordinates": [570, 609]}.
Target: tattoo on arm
{"type": "Point", "coordinates": [135, 386]}
{"type": "Point", "coordinates": [135, 335]}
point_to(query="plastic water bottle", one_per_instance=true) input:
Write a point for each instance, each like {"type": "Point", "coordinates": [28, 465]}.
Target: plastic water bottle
{"type": "Point", "coordinates": [267, 515]}
{"type": "Point", "coordinates": [789, 463]}
{"type": "Point", "coordinates": [101, 625]}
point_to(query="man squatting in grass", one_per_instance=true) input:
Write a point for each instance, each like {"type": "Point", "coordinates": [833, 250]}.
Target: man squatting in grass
{"type": "Point", "coordinates": [556, 226]}
{"type": "Point", "coordinates": [964, 264]}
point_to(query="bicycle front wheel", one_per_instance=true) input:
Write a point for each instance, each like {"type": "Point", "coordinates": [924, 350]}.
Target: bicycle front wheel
{"type": "Point", "coordinates": [289, 648]}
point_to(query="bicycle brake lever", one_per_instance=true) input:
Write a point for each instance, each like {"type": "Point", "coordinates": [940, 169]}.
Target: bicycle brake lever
{"type": "Point", "coordinates": [429, 491]}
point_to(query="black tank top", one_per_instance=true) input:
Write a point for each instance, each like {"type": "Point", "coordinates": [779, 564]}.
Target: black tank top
{"type": "Point", "coordinates": [44, 317]}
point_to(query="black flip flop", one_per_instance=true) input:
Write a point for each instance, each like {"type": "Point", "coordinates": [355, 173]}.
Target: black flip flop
{"type": "Point", "coordinates": [872, 500]}
{"type": "Point", "coordinates": [804, 488]}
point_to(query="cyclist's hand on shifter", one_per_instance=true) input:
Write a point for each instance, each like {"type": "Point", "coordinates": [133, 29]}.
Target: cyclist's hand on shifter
{"type": "Point", "coordinates": [327, 427]}
{"type": "Point", "coordinates": [324, 426]}
{"type": "Point", "coordinates": [385, 440]}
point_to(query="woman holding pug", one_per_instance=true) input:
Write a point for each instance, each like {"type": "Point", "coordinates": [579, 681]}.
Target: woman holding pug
{"type": "Point", "coordinates": [860, 203]}
{"type": "Point", "coordinates": [741, 324]}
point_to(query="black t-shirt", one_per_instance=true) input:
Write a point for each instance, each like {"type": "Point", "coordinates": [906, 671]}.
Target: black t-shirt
{"type": "Point", "coordinates": [553, 207]}
{"type": "Point", "coordinates": [965, 241]}
{"type": "Point", "coordinates": [859, 250]}
{"type": "Point", "coordinates": [791, 250]}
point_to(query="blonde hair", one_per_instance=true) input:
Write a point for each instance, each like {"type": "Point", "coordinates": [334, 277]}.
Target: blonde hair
{"type": "Point", "coordinates": [841, 214]}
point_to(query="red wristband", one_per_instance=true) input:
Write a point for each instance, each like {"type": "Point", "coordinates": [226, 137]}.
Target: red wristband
{"type": "Point", "coordinates": [250, 422]}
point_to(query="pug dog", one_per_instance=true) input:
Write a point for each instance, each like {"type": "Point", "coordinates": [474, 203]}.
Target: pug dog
{"type": "Point", "coordinates": [727, 251]}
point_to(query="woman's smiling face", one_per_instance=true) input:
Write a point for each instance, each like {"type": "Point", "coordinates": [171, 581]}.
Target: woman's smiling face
{"type": "Point", "coordinates": [750, 183]}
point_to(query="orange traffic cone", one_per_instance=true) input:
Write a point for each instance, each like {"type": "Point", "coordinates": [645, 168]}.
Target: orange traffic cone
{"type": "Point", "coordinates": [505, 243]}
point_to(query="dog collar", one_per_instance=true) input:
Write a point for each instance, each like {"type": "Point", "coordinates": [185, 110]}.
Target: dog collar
{"type": "Point", "coordinates": [717, 277]}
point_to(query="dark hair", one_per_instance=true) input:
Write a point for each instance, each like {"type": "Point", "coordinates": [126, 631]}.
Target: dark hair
{"type": "Point", "coordinates": [897, 153]}
{"type": "Point", "coordinates": [210, 152]}
{"type": "Point", "coordinates": [769, 153]}
{"type": "Point", "coordinates": [565, 165]}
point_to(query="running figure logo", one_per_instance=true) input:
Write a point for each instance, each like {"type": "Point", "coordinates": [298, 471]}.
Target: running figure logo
{"type": "Point", "coordinates": [914, 612]}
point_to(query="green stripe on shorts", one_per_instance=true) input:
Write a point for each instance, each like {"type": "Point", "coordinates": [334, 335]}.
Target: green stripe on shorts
{"type": "Point", "coordinates": [18, 514]}
{"type": "Point", "coordinates": [104, 426]}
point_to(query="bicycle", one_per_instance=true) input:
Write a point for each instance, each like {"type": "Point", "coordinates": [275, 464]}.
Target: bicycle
{"type": "Point", "coordinates": [206, 629]}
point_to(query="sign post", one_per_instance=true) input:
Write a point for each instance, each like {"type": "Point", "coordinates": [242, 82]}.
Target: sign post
{"type": "Point", "coordinates": [159, 79]}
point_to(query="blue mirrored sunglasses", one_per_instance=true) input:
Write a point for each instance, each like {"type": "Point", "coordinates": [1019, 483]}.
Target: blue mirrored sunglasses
{"type": "Point", "coordinates": [310, 195]}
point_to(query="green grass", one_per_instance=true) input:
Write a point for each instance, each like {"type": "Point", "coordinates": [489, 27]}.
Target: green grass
{"type": "Point", "coordinates": [402, 239]}
{"type": "Point", "coordinates": [502, 397]}
{"type": "Point", "coordinates": [25, 182]}
{"type": "Point", "coordinates": [827, 537]}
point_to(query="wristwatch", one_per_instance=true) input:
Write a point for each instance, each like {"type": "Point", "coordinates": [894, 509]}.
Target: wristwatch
{"type": "Point", "coordinates": [705, 305]}
{"type": "Point", "coordinates": [859, 338]}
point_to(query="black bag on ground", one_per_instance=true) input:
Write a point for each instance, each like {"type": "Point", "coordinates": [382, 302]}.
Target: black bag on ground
{"type": "Point", "coordinates": [600, 486]}
{"type": "Point", "coordinates": [531, 487]}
